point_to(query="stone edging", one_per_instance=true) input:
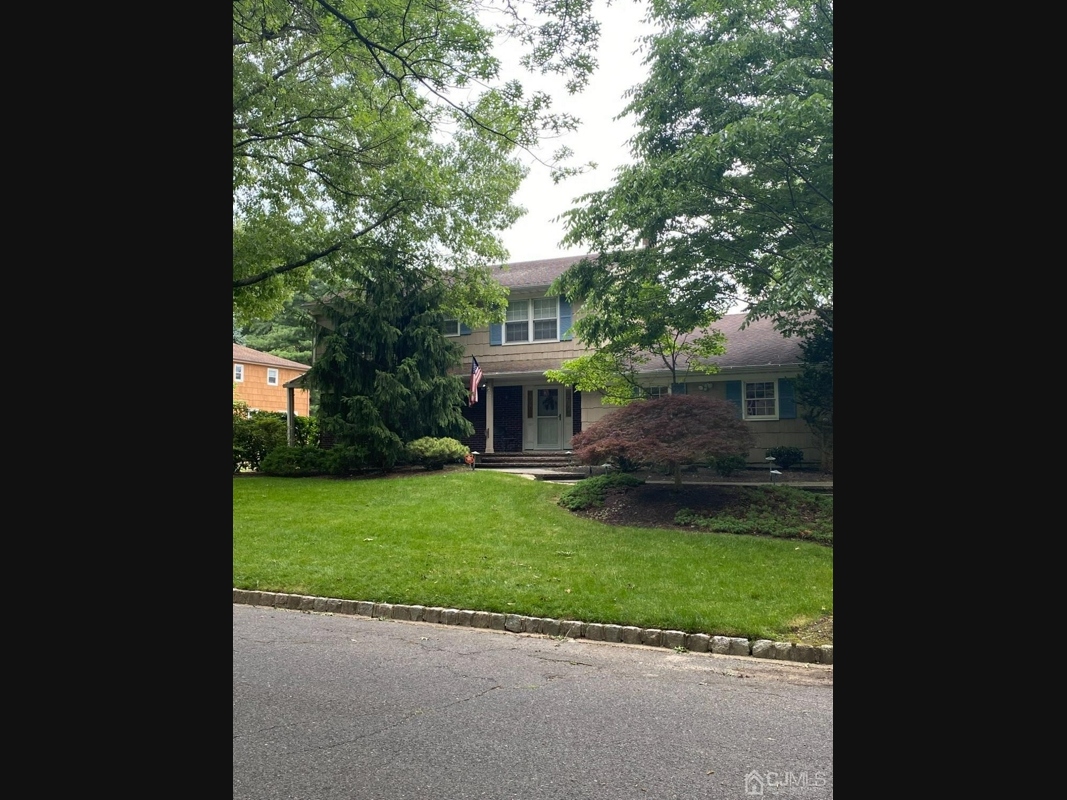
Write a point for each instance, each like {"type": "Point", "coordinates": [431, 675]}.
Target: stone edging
{"type": "Point", "coordinates": [516, 623]}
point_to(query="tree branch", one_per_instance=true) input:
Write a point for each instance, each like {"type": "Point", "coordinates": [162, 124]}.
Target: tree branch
{"type": "Point", "coordinates": [311, 258]}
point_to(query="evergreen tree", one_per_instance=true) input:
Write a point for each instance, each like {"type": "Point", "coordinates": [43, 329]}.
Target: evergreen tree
{"type": "Point", "coordinates": [382, 378]}
{"type": "Point", "coordinates": [815, 384]}
{"type": "Point", "coordinates": [290, 333]}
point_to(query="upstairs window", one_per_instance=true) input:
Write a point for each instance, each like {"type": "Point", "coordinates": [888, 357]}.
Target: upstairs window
{"type": "Point", "coordinates": [238, 373]}
{"type": "Point", "coordinates": [517, 326]}
{"type": "Point", "coordinates": [272, 377]}
{"type": "Point", "coordinates": [451, 327]}
{"type": "Point", "coordinates": [532, 320]}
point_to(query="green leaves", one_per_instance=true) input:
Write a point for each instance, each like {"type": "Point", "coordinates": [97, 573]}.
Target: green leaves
{"type": "Point", "coordinates": [637, 315]}
{"type": "Point", "coordinates": [360, 127]}
{"type": "Point", "coordinates": [732, 183]}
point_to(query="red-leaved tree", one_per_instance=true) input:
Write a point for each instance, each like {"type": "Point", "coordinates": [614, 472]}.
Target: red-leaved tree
{"type": "Point", "coordinates": [668, 432]}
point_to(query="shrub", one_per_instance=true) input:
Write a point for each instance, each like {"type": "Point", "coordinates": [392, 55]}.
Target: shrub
{"type": "Point", "coordinates": [341, 461]}
{"type": "Point", "coordinates": [254, 437]}
{"type": "Point", "coordinates": [786, 457]}
{"type": "Point", "coordinates": [667, 432]}
{"type": "Point", "coordinates": [434, 453]}
{"type": "Point", "coordinates": [592, 491]}
{"type": "Point", "coordinates": [780, 511]}
{"type": "Point", "coordinates": [728, 465]}
{"type": "Point", "coordinates": [258, 433]}
{"type": "Point", "coordinates": [306, 430]}
{"type": "Point", "coordinates": [294, 462]}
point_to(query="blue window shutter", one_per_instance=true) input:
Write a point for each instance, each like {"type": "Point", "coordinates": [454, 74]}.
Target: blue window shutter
{"type": "Point", "coordinates": [496, 334]}
{"type": "Point", "coordinates": [733, 394]}
{"type": "Point", "coordinates": [787, 404]}
{"type": "Point", "coordinates": [464, 330]}
{"type": "Point", "coordinates": [678, 388]}
{"type": "Point", "coordinates": [566, 318]}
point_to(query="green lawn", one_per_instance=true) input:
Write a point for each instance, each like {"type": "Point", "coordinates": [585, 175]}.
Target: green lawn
{"type": "Point", "coordinates": [497, 542]}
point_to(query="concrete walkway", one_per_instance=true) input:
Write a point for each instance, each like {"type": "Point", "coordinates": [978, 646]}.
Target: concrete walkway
{"type": "Point", "coordinates": [578, 473]}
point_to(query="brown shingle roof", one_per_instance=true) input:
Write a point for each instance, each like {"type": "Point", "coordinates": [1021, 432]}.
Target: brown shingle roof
{"type": "Point", "coordinates": [534, 274]}
{"type": "Point", "coordinates": [758, 345]}
{"type": "Point", "coordinates": [246, 355]}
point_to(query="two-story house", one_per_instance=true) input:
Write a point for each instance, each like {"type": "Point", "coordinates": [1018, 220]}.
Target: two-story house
{"type": "Point", "coordinates": [518, 409]}
{"type": "Point", "coordinates": [260, 379]}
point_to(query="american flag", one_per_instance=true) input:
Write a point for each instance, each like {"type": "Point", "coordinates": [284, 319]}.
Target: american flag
{"type": "Point", "coordinates": [476, 378]}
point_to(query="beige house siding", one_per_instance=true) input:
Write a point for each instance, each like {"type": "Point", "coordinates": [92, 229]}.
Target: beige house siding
{"type": "Point", "coordinates": [255, 390]}
{"type": "Point", "coordinates": [515, 357]}
{"type": "Point", "coordinates": [769, 433]}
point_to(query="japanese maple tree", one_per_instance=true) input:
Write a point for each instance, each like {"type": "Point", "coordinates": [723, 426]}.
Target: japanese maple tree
{"type": "Point", "coordinates": [667, 433]}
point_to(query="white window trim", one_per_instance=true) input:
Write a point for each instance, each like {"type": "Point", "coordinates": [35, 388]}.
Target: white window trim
{"type": "Point", "coordinates": [238, 373]}
{"type": "Point", "coordinates": [744, 402]}
{"type": "Point", "coordinates": [273, 373]}
{"type": "Point", "coordinates": [530, 323]}
{"type": "Point", "coordinates": [459, 326]}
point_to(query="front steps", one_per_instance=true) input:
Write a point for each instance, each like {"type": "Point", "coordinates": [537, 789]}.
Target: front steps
{"type": "Point", "coordinates": [542, 465]}
{"type": "Point", "coordinates": [544, 459]}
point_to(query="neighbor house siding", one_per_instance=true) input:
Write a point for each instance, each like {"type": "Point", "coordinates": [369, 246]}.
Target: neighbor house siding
{"type": "Point", "coordinates": [255, 391]}
{"type": "Point", "coordinates": [258, 394]}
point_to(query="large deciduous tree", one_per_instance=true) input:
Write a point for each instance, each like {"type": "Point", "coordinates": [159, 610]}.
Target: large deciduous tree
{"type": "Point", "coordinates": [364, 126]}
{"type": "Point", "coordinates": [668, 432]}
{"type": "Point", "coordinates": [731, 189]}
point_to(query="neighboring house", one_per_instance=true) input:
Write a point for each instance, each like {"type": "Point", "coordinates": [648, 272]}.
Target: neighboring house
{"type": "Point", "coordinates": [260, 379]}
{"type": "Point", "coordinates": [518, 409]}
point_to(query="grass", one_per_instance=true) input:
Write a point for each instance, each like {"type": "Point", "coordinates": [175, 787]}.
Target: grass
{"type": "Point", "coordinates": [496, 542]}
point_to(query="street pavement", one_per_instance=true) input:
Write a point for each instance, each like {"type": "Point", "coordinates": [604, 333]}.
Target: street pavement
{"type": "Point", "coordinates": [329, 706]}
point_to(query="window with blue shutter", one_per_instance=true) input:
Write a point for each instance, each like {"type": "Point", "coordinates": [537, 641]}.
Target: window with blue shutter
{"type": "Point", "coordinates": [733, 394]}
{"type": "Point", "coordinates": [763, 400]}
{"type": "Point", "coordinates": [496, 334]}
{"type": "Point", "coordinates": [787, 404]}
{"type": "Point", "coordinates": [678, 388]}
{"type": "Point", "coordinates": [464, 330]}
{"type": "Point", "coordinates": [566, 319]}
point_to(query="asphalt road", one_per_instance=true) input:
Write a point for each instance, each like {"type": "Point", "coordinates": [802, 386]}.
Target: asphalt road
{"type": "Point", "coordinates": [350, 707]}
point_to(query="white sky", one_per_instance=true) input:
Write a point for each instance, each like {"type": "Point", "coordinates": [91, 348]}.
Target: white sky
{"type": "Point", "coordinates": [600, 138]}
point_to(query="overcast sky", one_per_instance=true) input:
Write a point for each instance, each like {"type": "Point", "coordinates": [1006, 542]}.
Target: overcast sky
{"type": "Point", "coordinates": [600, 138]}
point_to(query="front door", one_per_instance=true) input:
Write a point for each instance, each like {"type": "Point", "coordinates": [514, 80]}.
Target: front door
{"type": "Point", "coordinates": [549, 419]}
